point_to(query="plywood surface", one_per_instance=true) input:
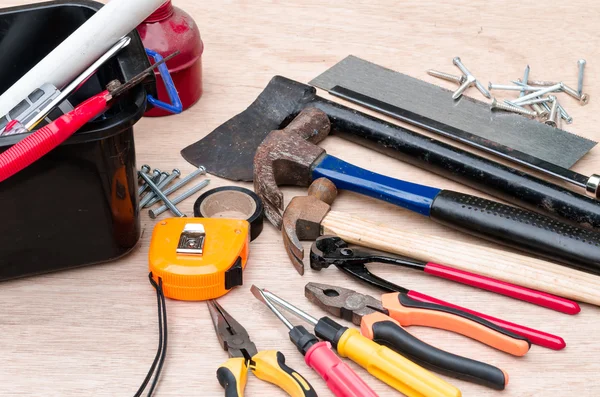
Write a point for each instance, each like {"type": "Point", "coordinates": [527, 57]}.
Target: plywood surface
{"type": "Point", "coordinates": [93, 331]}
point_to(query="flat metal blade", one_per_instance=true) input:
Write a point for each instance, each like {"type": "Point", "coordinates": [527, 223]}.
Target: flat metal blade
{"type": "Point", "coordinates": [522, 139]}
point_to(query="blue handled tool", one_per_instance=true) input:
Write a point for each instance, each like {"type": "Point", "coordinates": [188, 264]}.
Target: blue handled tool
{"type": "Point", "coordinates": [291, 156]}
{"type": "Point", "coordinates": [175, 106]}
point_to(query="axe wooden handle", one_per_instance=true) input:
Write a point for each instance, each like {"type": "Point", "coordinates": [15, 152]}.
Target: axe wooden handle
{"type": "Point", "coordinates": [502, 265]}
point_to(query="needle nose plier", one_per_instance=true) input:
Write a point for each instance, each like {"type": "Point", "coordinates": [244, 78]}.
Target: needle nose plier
{"type": "Point", "coordinates": [267, 365]}
{"type": "Point", "coordinates": [380, 321]}
{"type": "Point", "coordinates": [332, 250]}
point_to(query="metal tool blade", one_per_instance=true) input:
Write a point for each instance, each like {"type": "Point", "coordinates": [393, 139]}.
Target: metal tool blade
{"type": "Point", "coordinates": [526, 140]}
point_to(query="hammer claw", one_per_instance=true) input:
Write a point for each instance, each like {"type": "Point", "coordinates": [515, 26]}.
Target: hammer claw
{"type": "Point", "coordinates": [295, 252]}
{"type": "Point", "coordinates": [285, 158]}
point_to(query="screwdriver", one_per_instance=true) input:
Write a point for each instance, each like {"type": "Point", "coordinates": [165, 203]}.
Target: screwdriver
{"type": "Point", "coordinates": [381, 362]}
{"type": "Point", "coordinates": [340, 378]}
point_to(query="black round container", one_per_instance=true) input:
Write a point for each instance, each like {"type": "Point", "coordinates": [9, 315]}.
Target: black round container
{"type": "Point", "coordinates": [78, 205]}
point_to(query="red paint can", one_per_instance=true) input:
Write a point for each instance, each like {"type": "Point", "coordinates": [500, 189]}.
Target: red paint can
{"type": "Point", "coordinates": [167, 30]}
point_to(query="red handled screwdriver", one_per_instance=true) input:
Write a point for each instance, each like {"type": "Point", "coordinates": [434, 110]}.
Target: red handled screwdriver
{"type": "Point", "coordinates": [340, 378]}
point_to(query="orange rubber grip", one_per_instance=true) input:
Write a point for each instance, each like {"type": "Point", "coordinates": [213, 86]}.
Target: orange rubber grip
{"type": "Point", "coordinates": [411, 312]}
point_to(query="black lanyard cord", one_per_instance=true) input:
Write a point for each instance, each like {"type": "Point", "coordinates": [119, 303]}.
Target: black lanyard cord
{"type": "Point", "coordinates": [161, 353]}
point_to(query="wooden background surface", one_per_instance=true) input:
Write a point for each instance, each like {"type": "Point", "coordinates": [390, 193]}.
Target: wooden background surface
{"type": "Point", "coordinates": [93, 331]}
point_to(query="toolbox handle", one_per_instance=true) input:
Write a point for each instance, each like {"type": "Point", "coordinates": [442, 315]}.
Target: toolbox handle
{"type": "Point", "coordinates": [175, 106]}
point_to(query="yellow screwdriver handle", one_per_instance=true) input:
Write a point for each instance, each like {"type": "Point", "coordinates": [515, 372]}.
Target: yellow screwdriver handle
{"type": "Point", "coordinates": [232, 375]}
{"type": "Point", "coordinates": [393, 369]}
{"type": "Point", "coordinates": [269, 365]}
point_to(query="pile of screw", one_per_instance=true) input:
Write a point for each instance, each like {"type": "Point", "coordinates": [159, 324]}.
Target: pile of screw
{"type": "Point", "coordinates": [531, 93]}
{"type": "Point", "coordinates": [158, 182]}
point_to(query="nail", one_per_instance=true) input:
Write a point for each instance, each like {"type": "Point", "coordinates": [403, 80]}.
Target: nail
{"type": "Point", "coordinates": [458, 93]}
{"type": "Point", "coordinates": [525, 78]}
{"type": "Point", "coordinates": [466, 72]}
{"type": "Point", "coordinates": [535, 94]}
{"type": "Point", "coordinates": [447, 76]}
{"type": "Point", "coordinates": [581, 65]}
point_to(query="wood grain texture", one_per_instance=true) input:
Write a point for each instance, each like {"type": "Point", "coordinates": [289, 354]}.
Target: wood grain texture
{"type": "Point", "coordinates": [93, 331]}
{"type": "Point", "coordinates": [497, 263]}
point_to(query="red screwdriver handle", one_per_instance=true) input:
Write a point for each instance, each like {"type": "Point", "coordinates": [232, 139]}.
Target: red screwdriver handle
{"type": "Point", "coordinates": [32, 148]}
{"type": "Point", "coordinates": [340, 378]}
{"type": "Point", "coordinates": [500, 287]}
{"type": "Point", "coordinates": [536, 337]}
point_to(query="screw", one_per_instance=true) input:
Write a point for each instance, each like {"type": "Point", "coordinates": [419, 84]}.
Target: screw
{"type": "Point", "coordinates": [160, 194]}
{"type": "Point", "coordinates": [155, 174]}
{"type": "Point", "coordinates": [463, 87]}
{"type": "Point", "coordinates": [511, 108]}
{"type": "Point", "coordinates": [525, 78]}
{"type": "Point", "coordinates": [175, 174]}
{"type": "Point", "coordinates": [200, 171]}
{"type": "Point", "coordinates": [541, 112]}
{"type": "Point", "coordinates": [520, 87]}
{"type": "Point", "coordinates": [179, 199]}
{"type": "Point", "coordinates": [583, 98]}
{"type": "Point", "coordinates": [553, 111]}
{"type": "Point", "coordinates": [581, 64]}
{"type": "Point", "coordinates": [466, 72]}
{"type": "Point", "coordinates": [447, 76]}
{"type": "Point", "coordinates": [514, 104]}
{"type": "Point", "coordinates": [535, 94]}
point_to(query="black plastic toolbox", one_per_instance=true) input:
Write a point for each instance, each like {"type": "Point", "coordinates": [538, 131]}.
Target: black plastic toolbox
{"type": "Point", "coordinates": [78, 205]}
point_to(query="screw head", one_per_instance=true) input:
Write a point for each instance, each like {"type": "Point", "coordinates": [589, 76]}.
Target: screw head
{"type": "Point", "coordinates": [456, 60]}
{"type": "Point", "coordinates": [156, 172]}
{"type": "Point", "coordinates": [145, 168]}
{"type": "Point", "coordinates": [176, 171]}
{"type": "Point", "coordinates": [584, 99]}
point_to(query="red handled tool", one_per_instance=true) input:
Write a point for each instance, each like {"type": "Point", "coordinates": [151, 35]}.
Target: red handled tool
{"type": "Point", "coordinates": [33, 147]}
{"type": "Point", "coordinates": [330, 250]}
{"type": "Point", "coordinates": [379, 322]}
{"type": "Point", "coordinates": [340, 378]}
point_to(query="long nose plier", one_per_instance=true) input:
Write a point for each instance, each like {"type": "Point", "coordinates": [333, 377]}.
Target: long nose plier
{"type": "Point", "coordinates": [267, 365]}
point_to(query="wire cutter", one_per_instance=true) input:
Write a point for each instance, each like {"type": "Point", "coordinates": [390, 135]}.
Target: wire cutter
{"type": "Point", "coordinates": [267, 365]}
{"type": "Point", "coordinates": [332, 250]}
{"type": "Point", "coordinates": [380, 321]}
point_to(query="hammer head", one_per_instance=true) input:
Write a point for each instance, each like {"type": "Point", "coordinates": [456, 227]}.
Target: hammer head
{"type": "Point", "coordinates": [286, 157]}
{"type": "Point", "coordinates": [302, 219]}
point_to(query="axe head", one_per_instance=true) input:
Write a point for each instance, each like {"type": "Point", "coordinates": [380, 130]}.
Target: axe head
{"type": "Point", "coordinates": [229, 150]}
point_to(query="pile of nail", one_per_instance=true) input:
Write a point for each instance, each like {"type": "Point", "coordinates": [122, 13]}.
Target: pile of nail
{"type": "Point", "coordinates": [157, 187]}
{"type": "Point", "coordinates": [547, 109]}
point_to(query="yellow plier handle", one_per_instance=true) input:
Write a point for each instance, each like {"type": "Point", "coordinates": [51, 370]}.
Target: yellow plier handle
{"type": "Point", "coordinates": [269, 365]}
{"type": "Point", "coordinates": [232, 375]}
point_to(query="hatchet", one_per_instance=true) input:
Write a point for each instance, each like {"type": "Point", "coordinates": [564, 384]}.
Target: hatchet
{"type": "Point", "coordinates": [229, 151]}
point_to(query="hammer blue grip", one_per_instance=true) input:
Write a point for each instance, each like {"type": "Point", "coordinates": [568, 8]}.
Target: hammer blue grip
{"type": "Point", "coordinates": [345, 176]}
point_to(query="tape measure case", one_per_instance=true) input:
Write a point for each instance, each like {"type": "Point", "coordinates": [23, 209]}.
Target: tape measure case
{"type": "Point", "coordinates": [199, 258]}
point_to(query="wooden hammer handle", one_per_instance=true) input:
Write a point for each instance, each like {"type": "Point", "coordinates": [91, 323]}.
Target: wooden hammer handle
{"type": "Point", "coordinates": [502, 265]}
